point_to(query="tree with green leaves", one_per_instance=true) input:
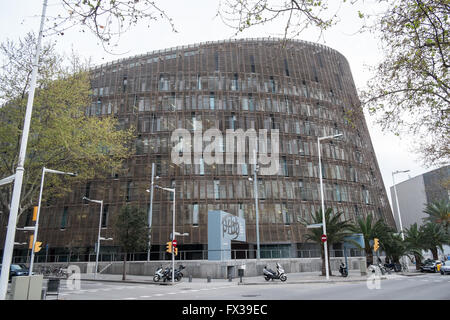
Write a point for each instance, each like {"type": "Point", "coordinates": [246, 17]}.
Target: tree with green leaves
{"type": "Point", "coordinates": [438, 212]}
{"type": "Point", "coordinates": [410, 89]}
{"type": "Point", "coordinates": [370, 229]}
{"type": "Point", "coordinates": [61, 136]}
{"type": "Point", "coordinates": [131, 231]}
{"type": "Point", "coordinates": [415, 243]}
{"type": "Point", "coordinates": [393, 246]}
{"type": "Point", "coordinates": [434, 238]}
{"type": "Point", "coordinates": [337, 229]}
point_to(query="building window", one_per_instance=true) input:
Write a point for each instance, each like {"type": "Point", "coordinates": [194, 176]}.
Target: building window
{"type": "Point", "coordinates": [124, 84]}
{"type": "Point", "coordinates": [129, 191]}
{"type": "Point", "coordinates": [211, 101]}
{"type": "Point", "coordinates": [272, 84]}
{"type": "Point", "coordinates": [338, 192]}
{"type": "Point", "coordinates": [286, 68]}
{"type": "Point", "coordinates": [216, 60]}
{"type": "Point", "coordinates": [216, 189]}
{"type": "Point", "coordinates": [64, 218]}
{"type": "Point", "coordinates": [286, 217]}
{"type": "Point", "coordinates": [234, 83]}
{"type": "Point", "coordinates": [88, 189]}
{"type": "Point", "coordinates": [105, 215]}
{"type": "Point", "coordinates": [195, 216]}
{"type": "Point", "coordinates": [252, 64]}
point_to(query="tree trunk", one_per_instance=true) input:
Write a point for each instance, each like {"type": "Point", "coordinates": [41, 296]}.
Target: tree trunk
{"type": "Point", "coordinates": [369, 256]}
{"type": "Point", "coordinates": [434, 252]}
{"type": "Point", "coordinates": [124, 273]}
{"type": "Point", "coordinates": [418, 261]}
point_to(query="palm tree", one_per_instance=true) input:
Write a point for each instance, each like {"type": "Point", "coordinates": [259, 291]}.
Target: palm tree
{"type": "Point", "coordinates": [370, 229]}
{"type": "Point", "coordinates": [415, 243]}
{"type": "Point", "coordinates": [394, 246]}
{"type": "Point", "coordinates": [434, 237]}
{"type": "Point", "coordinates": [337, 229]}
{"type": "Point", "coordinates": [438, 212]}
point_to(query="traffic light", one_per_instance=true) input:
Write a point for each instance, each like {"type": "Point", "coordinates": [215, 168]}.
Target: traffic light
{"type": "Point", "coordinates": [35, 210]}
{"type": "Point", "coordinates": [169, 247]}
{"type": "Point", "coordinates": [175, 250]}
{"type": "Point", "coordinates": [376, 244]}
{"type": "Point", "coordinates": [30, 243]}
{"type": "Point", "coordinates": [37, 246]}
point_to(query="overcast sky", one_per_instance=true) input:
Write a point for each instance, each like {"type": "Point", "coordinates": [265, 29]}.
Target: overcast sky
{"type": "Point", "coordinates": [196, 22]}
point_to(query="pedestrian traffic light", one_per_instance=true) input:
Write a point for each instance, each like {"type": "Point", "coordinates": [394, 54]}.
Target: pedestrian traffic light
{"type": "Point", "coordinates": [175, 250]}
{"type": "Point", "coordinates": [37, 246]}
{"type": "Point", "coordinates": [376, 244]}
{"type": "Point", "coordinates": [169, 247]}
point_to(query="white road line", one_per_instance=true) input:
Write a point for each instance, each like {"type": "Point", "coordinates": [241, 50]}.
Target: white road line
{"type": "Point", "coordinates": [130, 299]}
{"type": "Point", "coordinates": [144, 296]}
{"type": "Point", "coordinates": [159, 294]}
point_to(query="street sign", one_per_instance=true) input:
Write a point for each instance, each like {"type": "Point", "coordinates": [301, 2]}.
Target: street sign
{"type": "Point", "coordinates": [174, 243]}
{"type": "Point", "coordinates": [324, 238]}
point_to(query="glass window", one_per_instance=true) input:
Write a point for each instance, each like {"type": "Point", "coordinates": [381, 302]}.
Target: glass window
{"type": "Point", "coordinates": [216, 189]}
{"type": "Point", "coordinates": [64, 218]}
{"type": "Point", "coordinates": [105, 215]}
{"type": "Point", "coordinates": [195, 216]}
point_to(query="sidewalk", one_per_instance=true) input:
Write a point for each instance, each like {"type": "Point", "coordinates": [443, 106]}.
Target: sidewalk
{"type": "Point", "coordinates": [292, 278]}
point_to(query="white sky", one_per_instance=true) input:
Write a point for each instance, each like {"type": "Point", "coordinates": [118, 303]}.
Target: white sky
{"type": "Point", "coordinates": [196, 22]}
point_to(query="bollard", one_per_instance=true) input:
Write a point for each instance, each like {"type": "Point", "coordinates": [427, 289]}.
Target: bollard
{"type": "Point", "coordinates": [208, 278]}
{"type": "Point", "coordinates": [190, 278]}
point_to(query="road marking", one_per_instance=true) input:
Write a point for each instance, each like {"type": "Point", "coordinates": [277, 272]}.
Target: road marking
{"type": "Point", "coordinates": [159, 294]}
{"type": "Point", "coordinates": [130, 299]}
{"type": "Point", "coordinates": [144, 296]}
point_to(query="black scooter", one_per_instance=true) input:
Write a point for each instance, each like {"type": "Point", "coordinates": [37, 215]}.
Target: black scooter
{"type": "Point", "coordinates": [270, 274]}
{"type": "Point", "coordinates": [343, 270]}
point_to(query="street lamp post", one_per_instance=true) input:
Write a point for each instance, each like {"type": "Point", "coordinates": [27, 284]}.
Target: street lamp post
{"type": "Point", "coordinates": [150, 212]}
{"type": "Point", "coordinates": [173, 227]}
{"type": "Point", "coordinates": [18, 178]}
{"type": "Point", "coordinates": [398, 207]}
{"type": "Point", "coordinates": [255, 191]}
{"type": "Point", "coordinates": [396, 201]}
{"type": "Point", "coordinates": [324, 226]}
{"type": "Point", "coordinates": [99, 229]}
{"type": "Point", "coordinates": [36, 226]}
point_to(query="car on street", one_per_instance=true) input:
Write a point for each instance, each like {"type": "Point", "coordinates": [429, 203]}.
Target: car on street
{"type": "Point", "coordinates": [445, 267]}
{"type": "Point", "coordinates": [17, 270]}
{"type": "Point", "coordinates": [430, 266]}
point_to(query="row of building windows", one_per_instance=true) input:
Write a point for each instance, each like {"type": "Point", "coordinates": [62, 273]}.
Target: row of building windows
{"type": "Point", "coordinates": [195, 213]}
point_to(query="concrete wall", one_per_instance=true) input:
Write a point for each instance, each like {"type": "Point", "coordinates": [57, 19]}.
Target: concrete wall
{"type": "Point", "coordinates": [221, 269]}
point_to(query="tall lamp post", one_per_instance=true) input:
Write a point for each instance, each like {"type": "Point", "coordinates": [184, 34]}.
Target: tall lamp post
{"type": "Point", "coordinates": [36, 226]}
{"type": "Point", "coordinates": [396, 201]}
{"type": "Point", "coordinates": [324, 226]}
{"type": "Point", "coordinates": [18, 178]}
{"type": "Point", "coordinates": [173, 226]}
{"type": "Point", "coordinates": [99, 229]}
{"type": "Point", "coordinates": [398, 207]}
{"type": "Point", "coordinates": [150, 212]}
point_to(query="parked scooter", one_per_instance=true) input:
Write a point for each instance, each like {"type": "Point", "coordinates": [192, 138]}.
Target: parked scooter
{"type": "Point", "coordinates": [343, 270]}
{"type": "Point", "coordinates": [159, 274]}
{"type": "Point", "coordinates": [270, 274]}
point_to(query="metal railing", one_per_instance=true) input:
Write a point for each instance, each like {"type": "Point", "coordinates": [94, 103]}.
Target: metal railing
{"type": "Point", "coordinates": [185, 255]}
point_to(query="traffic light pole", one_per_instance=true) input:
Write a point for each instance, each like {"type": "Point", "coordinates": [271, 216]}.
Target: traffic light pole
{"type": "Point", "coordinates": [36, 226]}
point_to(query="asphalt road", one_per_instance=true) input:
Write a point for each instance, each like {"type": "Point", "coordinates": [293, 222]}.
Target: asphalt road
{"type": "Point", "coordinates": [421, 287]}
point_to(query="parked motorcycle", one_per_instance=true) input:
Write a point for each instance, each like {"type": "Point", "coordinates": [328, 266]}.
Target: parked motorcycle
{"type": "Point", "coordinates": [343, 270]}
{"type": "Point", "coordinates": [167, 273]}
{"type": "Point", "coordinates": [159, 274]}
{"type": "Point", "coordinates": [270, 274]}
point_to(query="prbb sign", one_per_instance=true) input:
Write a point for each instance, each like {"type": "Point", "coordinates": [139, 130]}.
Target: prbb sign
{"type": "Point", "coordinates": [222, 228]}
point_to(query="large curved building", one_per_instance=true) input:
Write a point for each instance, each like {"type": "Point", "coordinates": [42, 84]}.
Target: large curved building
{"type": "Point", "coordinates": [304, 90]}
